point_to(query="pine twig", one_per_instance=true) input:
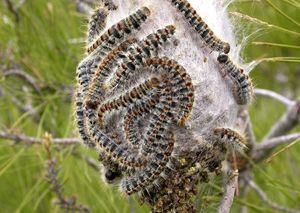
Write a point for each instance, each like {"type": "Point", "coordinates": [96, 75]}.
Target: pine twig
{"type": "Point", "coordinates": [69, 203]}
{"type": "Point", "coordinates": [34, 140]}
{"type": "Point", "coordinates": [266, 200]}
{"type": "Point", "coordinates": [287, 122]}
{"type": "Point", "coordinates": [228, 196]}
{"type": "Point", "coordinates": [13, 10]}
{"type": "Point", "coordinates": [274, 142]}
{"type": "Point", "coordinates": [66, 203]}
{"type": "Point", "coordinates": [23, 75]}
{"type": "Point", "coordinates": [274, 95]}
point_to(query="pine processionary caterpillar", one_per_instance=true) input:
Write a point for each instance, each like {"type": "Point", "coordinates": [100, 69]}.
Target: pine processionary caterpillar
{"type": "Point", "coordinates": [97, 23]}
{"type": "Point", "coordinates": [138, 92]}
{"type": "Point", "coordinates": [146, 176]}
{"type": "Point", "coordinates": [119, 30]}
{"type": "Point", "coordinates": [231, 139]}
{"type": "Point", "coordinates": [182, 87]}
{"type": "Point", "coordinates": [96, 92]}
{"type": "Point", "coordinates": [242, 85]}
{"type": "Point", "coordinates": [200, 26]}
{"type": "Point", "coordinates": [138, 55]}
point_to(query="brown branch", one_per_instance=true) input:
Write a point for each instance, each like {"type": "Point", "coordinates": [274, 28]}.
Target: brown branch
{"type": "Point", "coordinates": [24, 76]}
{"type": "Point", "coordinates": [274, 137]}
{"type": "Point", "coordinates": [274, 142]}
{"type": "Point", "coordinates": [268, 202]}
{"type": "Point", "coordinates": [13, 10]}
{"type": "Point", "coordinates": [287, 122]}
{"type": "Point", "coordinates": [230, 189]}
{"type": "Point", "coordinates": [250, 133]}
{"type": "Point", "coordinates": [34, 140]}
{"type": "Point", "coordinates": [83, 7]}
{"type": "Point", "coordinates": [274, 95]}
{"type": "Point", "coordinates": [92, 163]}
{"type": "Point", "coordinates": [66, 203]}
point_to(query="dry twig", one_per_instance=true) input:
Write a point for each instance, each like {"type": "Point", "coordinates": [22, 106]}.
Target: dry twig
{"type": "Point", "coordinates": [66, 203]}
{"type": "Point", "coordinates": [13, 10]}
{"type": "Point", "coordinates": [274, 95]}
{"type": "Point", "coordinates": [34, 140]}
{"type": "Point", "coordinates": [266, 200]}
{"type": "Point", "coordinates": [23, 75]}
{"type": "Point", "coordinates": [230, 189]}
{"type": "Point", "coordinates": [274, 142]}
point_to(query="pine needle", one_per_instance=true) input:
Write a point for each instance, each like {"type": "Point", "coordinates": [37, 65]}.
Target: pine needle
{"type": "Point", "coordinates": [281, 150]}
{"type": "Point", "coordinates": [263, 23]}
{"type": "Point", "coordinates": [283, 13]}
{"type": "Point", "coordinates": [275, 44]}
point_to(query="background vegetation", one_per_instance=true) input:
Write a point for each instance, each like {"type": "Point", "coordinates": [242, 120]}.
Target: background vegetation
{"type": "Point", "coordinates": [44, 39]}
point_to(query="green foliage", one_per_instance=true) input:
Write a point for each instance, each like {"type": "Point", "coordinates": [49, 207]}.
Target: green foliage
{"type": "Point", "coordinates": [42, 44]}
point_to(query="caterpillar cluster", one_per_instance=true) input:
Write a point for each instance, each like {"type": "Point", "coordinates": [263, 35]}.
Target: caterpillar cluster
{"type": "Point", "coordinates": [130, 101]}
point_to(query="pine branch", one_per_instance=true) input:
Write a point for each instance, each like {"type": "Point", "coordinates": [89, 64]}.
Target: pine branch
{"type": "Point", "coordinates": [268, 202]}
{"type": "Point", "coordinates": [230, 189]}
{"type": "Point", "coordinates": [24, 76]}
{"type": "Point", "coordinates": [52, 171]}
{"type": "Point", "coordinates": [274, 142]}
{"type": "Point", "coordinates": [274, 95]}
{"type": "Point", "coordinates": [66, 203]}
{"type": "Point", "coordinates": [13, 10]}
{"type": "Point", "coordinates": [287, 122]}
{"type": "Point", "coordinates": [35, 140]}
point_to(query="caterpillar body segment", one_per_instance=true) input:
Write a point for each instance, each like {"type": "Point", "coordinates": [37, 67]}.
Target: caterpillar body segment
{"type": "Point", "coordinates": [231, 139]}
{"type": "Point", "coordinates": [110, 4]}
{"type": "Point", "coordinates": [97, 23]}
{"type": "Point", "coordinates": [161, 117]}
{"type": "Point", "coordinates": [242, 85]}
{"type": "Point", "coordinates": [80, 120]}
{"type": "Point", "coordinates": [197, 23]}
{"type": "Point", "coordinates": [182, 87]}
{"type": "Point", "coordinates": [146, 176]}
{"type": "Point", "coordinates": [114, 150]}
{"type": "Point", "coordinates": [96, 92]}
{"type": "Point", "coordinates": [137, 56]}
{"type": "Point", "coordinates": [129, 98]}
{"type": "Point", "coordinates": [120, 30]}
{"type": "Point", "coordinates": [133, 116]}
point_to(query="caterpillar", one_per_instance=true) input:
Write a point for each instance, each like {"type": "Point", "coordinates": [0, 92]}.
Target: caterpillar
{"type": "Point", "coordinates": [96, 91]}
{"type": "Point", "coordinates": [182, 84]}
{"type": "Point", "coordinates": [231, 139]}
{"type": "Point", "coordinates": [242, 85]}
{"type": "Point", "coordinates": [144, 177]}
{"type": "Point", "coordinates": [132, 103]}
{"type": "Point", "coordinates": [130, 97]}
{"type": "Point", "coordinates": [97, 23]}
{"type": "Point", "coordinates": [119, 30]}
{"type": "Point", "coordinates": [138, 55]}
{"type": "Point", "coordinates": [87, 66]}
{"type": "Point", "coordinates": [197, 23]}
{"type": "Point", "coordinates": [134, 115]}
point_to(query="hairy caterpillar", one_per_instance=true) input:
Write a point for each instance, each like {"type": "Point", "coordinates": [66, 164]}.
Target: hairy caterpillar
{"type": "Point", "coordinates": [119, 30]}
{"type": "Point", "coordinates": [144, 106]}
{"type": "Point", "coordinates": [242, 85]}
{"type": "Point", "coordinates": [138, 55]}
{"type": "Point", "coordinates": [231, 139]}
{"type": "Point", "coordinates": [200, 26]}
